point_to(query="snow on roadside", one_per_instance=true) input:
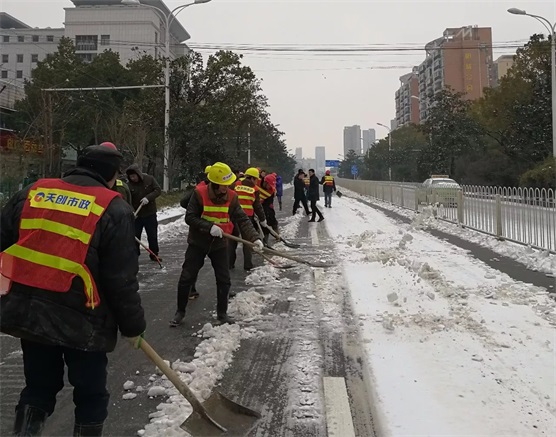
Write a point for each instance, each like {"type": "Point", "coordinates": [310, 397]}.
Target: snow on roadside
{"type": "Point", "coordinates": [454, 346]}
{"type": "Point", "coordinates": [170, 212]}
{"type": "Point", "coordinates": [542, 261]}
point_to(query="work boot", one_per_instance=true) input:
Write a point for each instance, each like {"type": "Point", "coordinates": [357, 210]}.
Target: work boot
{"type": "Point", "coordinates": [89, 430]}
{"type": "Point", "coordinates": [320, 219]}
{"type": "Point", "coordinates": [178, 318]}
{"type": "Point", "coordinates": [225, 318]}
{"type": "Point", "coordinates": [29, 421]}
{"type": "Point", "coordinates": [193, 294]}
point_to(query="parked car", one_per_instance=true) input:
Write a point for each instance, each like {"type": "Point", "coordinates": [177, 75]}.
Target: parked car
{"type": "Point", "coordinates": [439, 189]}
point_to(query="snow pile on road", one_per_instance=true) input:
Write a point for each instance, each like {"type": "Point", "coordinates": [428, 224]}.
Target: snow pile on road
{"type": "Point", "coordinates": [172, 230]}
{"type": "Point", "coordinates": [454, 346]}
{"type": "Point", "coordinates": [212, 357]}
{"type": "Point", "coordinates": [263, 275]}
{"type": "Point", "coordinates": [170, 212]}
{"type": "Point", "coordinates": [542, 261]}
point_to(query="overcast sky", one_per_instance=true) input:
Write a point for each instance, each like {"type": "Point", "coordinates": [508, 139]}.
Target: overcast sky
{"type": "Point", "coordinates": [314, 96]}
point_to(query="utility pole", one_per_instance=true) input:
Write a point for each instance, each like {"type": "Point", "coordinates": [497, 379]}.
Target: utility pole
{"type": "Point", "coordinates": [249, 144]}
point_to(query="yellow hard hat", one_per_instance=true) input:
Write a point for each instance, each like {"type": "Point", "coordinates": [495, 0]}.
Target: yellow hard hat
{"type": "Point", "coordinates": [253, 172]}
{"type": "Point", "coordinates": [207, 169]}
{"type": "Point", "coordinates": [221, 174]}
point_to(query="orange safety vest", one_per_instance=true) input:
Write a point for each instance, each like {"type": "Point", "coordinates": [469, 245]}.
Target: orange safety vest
{"type": "Point", "coordinates": [246, 196]}
{"type": "Point", "coordinates": [57, 224]}
{"type": "Point", "coordinates": [265, 194]}
{"type": "Point", "coordinates": [329, 181]}
{"type": "Point", "coordinates": [307, 181]}
{"type": "Point", "coordinates": [219, 214]}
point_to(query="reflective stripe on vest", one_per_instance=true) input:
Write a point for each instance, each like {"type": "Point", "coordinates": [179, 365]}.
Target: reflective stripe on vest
{"type": "Point", "coordinates": [264, 194]}
{"type": "Point", "coordinates": [329, 181]}
{"type": "Point", "coordinates": [119, 183]}
{"type": "Point", "coordinates": [217, 214]}
{"type": "Point", "coordinates": [246, 196]}
{"type": "Point", "coordinates": [56, 227]}
{"type": "Point", "coordinates": [307, 181]}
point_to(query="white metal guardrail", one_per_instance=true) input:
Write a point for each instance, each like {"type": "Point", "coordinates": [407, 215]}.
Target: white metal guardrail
{"type": "Point", "coordinates": [522, 215]}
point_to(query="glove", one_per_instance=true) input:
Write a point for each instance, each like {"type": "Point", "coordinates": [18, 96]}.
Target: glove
{"type": "Point", "coordinates": [144, 201]}
{"type": "Point", "coordinates": [216, 231]}
{"type": "Point", "coordinates": [136, 341]}
{"type": "Point", "coordinates": [259, 246]}
{"type": "Point", "coordinates": [264, 224]}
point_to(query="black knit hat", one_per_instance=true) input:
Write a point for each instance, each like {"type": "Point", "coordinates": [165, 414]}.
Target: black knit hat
{"type": "Point", "coordinates": [101, 159]}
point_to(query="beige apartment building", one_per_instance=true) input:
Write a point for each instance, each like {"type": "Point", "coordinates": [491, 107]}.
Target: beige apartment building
{"type": "Point", "coordinates": [461, 59]}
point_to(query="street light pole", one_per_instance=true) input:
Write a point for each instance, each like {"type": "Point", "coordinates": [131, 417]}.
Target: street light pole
{"type": "Point", "coordinates": [552, 32]}
{"type": "Point", "coordinates": [389, 150]}
{"type": "Point", "coordinates": [168, 18]}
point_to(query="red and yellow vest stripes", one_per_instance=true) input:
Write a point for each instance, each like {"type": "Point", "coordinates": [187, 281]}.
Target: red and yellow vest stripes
{"type": "Point", "coordinates": [246, 196]}
{"type": "Point", "coordinates": [307, 181]}
{"type": "Point", "coordinates": [217, 214]}
{"type": "Point", "coordinates": [264, 194]}
{"type": "Point", "coordinates": [329, 181]}
{"type": "Point", "coordinates": [57, 224]}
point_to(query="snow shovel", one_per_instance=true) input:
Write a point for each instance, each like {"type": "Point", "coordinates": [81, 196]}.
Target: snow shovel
{"type": "Point", "coordinates": [151, 253]}
{"type": "Point", "coordinates": [216, 416]}
{"type": "Point", "coordinates": [268, 251]}
{"type": "Point", "coordinates": [339, 193]}
{"type": "Point", "coordinates": [280, 238]}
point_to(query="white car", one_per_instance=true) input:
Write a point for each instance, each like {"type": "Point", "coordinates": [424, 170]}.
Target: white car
{"type": "Point", "coordinates": [439, 189]}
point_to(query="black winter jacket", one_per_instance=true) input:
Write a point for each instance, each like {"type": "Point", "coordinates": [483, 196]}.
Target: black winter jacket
{"type": "Point", "coordinates": [146, 187]}
{"type": "Point", "coordinates": [199, 229]}
{"type": "Point", "coordinates": [313, 193]}
{"type": "Point", "coordinates": [298, 189]}
{"type": "Point", "coordinates": [62, 318]}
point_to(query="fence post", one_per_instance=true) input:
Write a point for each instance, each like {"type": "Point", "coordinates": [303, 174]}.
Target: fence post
{"type": "Point", "coordinates": [498, 216]}
{"type": "Point", "coordinates": [401, 190]}
{"type": "Point", "coordinates": [416, 191]}
{"type": "Point", "coordinates": [382, 197]}
{"type": "Point", "coordinates": [391, 194]}
{"type": "Point", "coordinates": [460, 207]}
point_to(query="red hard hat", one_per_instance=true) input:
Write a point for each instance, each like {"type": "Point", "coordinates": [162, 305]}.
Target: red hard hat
{"type": "Point", "coordinates": [110, 145]}
{"type": "Point", "coordinates": [327, 172]}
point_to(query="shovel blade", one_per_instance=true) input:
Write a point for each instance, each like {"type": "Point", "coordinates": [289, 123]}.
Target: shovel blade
{"type": "Point", "coordinates": [237, 419]}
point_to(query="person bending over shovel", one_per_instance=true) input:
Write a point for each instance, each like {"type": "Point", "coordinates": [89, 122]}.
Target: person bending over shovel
{"type": "Point", "coordinates": [210, 213]}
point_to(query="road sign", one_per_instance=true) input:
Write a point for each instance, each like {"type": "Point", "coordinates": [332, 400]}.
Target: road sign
{"type": "Point", "coordinates": [332, 163]}
{"type": "Point", "coordinates": [354, 170]}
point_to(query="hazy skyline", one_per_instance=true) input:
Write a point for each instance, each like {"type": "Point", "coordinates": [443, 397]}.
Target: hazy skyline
{"type": "Point", "coordinates": [313, 96]}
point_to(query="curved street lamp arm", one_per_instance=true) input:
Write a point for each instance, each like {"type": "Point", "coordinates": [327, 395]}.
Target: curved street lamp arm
{"type": "Point", "coordinates": [177, 10]}
{"type": "Point", "coordinates": [547, 24]}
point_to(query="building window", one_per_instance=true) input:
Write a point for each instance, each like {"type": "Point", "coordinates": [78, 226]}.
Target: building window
{"type": "Point", "coordinates": [35, 58]}
{"type": "Point", "coordinates": [20, 38]}
{"type": "Point", "coordinates": [19, 74]}
{"type": "Point", "coordinates": [86, 42]}
{"type": "Point", "coordinates": [105, 40]}
{"type": "Point", "coordinates": [5, 58]}
{"type": "Point", "coordinates": [5, 38]}
{"type": "Point", "coordinates": [35, 38]}
{"type": "Point", "coordinates": [4, 74]}
{"type": "Point", "coordinates": [50, 38]}
{"type": "Point", "coordinates": [19, 58]}
{"type": "Point", "coordinates": [87, 57]}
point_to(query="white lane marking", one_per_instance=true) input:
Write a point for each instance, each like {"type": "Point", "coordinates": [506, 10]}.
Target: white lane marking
{"type": "Point", "coordinates": [338, 413]}
{"type": "Point", "coordinates": [314, 236]}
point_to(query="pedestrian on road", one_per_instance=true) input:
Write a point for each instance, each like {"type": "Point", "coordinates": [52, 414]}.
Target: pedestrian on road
{"type": "Point", "coordinates": [249, 199]}
{"type": "Point", "coordinates": [268, 192]}
{"type": "Point", "coordinates": [313, 196]}
{"type": "Point", "coordinates": [328, 187]}
{"type": "Point", "coordinates": [144, 190]}
{"type": "Point", "coordinates": [209, 214]}
{"type": "Point", "coordinates": [299, 192]}
{"type": "Point", "coordinates": [120, 186]}
{"type": "Point", "coordinates": [68, 283]}
{"type": "Point", "coordinates": [279, 190]}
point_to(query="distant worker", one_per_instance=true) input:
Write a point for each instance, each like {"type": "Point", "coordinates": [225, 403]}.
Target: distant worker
{"type": "Point", "coordinates": [68, 283]}
{"type": "Point", "coordinates": [120, 186]}
{"type": "Point", "coordinates": [299, 192]}
{"type": "Point", "coordinates": [328, 187]}
{"type": "Point", "coordinates": [313, 196]}
{"type": "Point", "coordinates": [279, 190]}
{"type": "Point", "coordinates": [267, 192]}
{"type": "Point", "coordinates": [144, 190]}
{"type": "Point", "coordinates": [210, 213]}
{"type": "Point", "coordinates": [249, 199]}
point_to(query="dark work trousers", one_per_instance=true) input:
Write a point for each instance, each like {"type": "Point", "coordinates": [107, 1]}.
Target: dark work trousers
{"type": "Point", "coordinates": [315, 210]}
{"type": "Point", "coordinates": [247, 251]}
{"type": "Point", "coordinates": [328, 198]}
{"type": "Point", "coordinates": [279, 202]}
{"type": "Point", "coordinates": [303, 201]}
{"type": "Point", "coordinates": [43, 366]}
{"type": "Point", "coordinates": [150, 223]}
{"type": "Point", "coordinates": [193, 262]}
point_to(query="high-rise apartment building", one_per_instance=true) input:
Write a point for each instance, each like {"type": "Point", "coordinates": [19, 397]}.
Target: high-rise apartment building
{"type": "Point", "coordinates": [407, 99]}
{"type": "Point", "coordinates": [501, 67]}
{"type": "Point", "coordinates": [299, 153]}
{"type": "Point", "coordinates": [352, 139]}
{"type": "Point", "coordinates": [369, 138]}
{"type": "Point", "coordinates": [320, 160]}
{"type": "Point", "coordinates": [461, 59]}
